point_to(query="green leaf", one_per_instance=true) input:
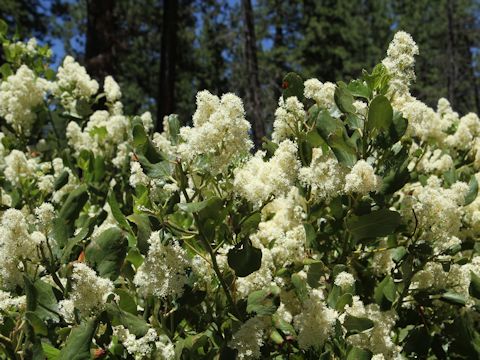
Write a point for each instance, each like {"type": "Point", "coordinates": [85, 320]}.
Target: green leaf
{"type": "Point", "coordinates": [378, 79]}
{"type": "Point", "coordinates": [472, 190]}
{"type": "Point", "coordinates": [195, 207]}
{"type": "Point", "coordinates": [418, 341]}
{"type": "Point", "coordinates": [140, 137]}
{"type": "Point", "coordinates": [344, 300]}
{"type": "Point", "coordinates": [359, 89]}
{"type": "Point", "coordinates": [359, 354]}
{"type": "Point", "coordinates": [6, 71]}
{"type": "Point", "coordinates": [107, 252]}
{"type": "Point", "coordinates": [77, 346]}
{"type": "Point", "coordinates": [354, 122]}
{"type": "Point", "coordinates": [398, 128]}
{"type": "Point", "coordinates": [75, 202]}
{"type": "Point", "coordinates": [344, 99]}
{"type": "Point", "coordinates": [41, 299]}
{"type": "Point", "coordinates": [310, 235]}
{"type": "Point", "coordinates": [63, 226]}
{"type": "Point", "coordinates": [37, 324]}
{"type": "Point", "coordinates": [99, 168]}
{"type": "Point", "coordinates": [380, 114]}
{"type": "Point", "coordinates": [315, 272]}
{"type": "Point", "coordinates": [212, 208]}
{"type": "Point", "coordinates": [334, 133]}
{"type": "Point", "coordinates": [244, 259]}
{"type": "Point", "coordinates": [375, 224]}
{"type": "Point", "coordinates": [160, 170]}
{"type": "Point", "coordinates": [173, 128]}
{"type": "Point", "coordinates": [134, 257]}
{"type": "Point", "coordinates": [293, 86]}
{"type": "Point", "coordinates": [474, 288]}
{"type": "Point", "coordinates": [3, 28]}
{"type": "Point", "coordinates": [300, 286]}
{"type": "Point", "coordinates": [453, 298]}
{"type": "Point", "coordinates": [61, 180]}
{"type": "Point", "coordinates": [144, 231]}
{"type": "Point", "coordinates": [385, 293]}
{"type": "Point", "coordinates": [52, 353]}
{"type": "Point", "coordinates": [264, 302]}
{"type": "Point", "coordinates": [143, 146]}
{"type": "Point", "coordinates": [356, 325]}
{"type": "Point", "coordinates": [117, 212]}
{"type": "Point", "coordinates": [136, 325]}
{"type": "Point", "coordinates": [127, 302]}
{"type": "Point", "coordinates": [250, 224]}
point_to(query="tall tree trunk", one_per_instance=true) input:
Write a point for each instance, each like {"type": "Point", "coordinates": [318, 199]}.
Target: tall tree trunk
{"type": "Point", "coordinates": [251, 61]}
{"type": "Point", "coordinates": [166, 93]}
{"type": "Point", "coordinates": [452, 66]}
{"type": "Point", "coordinates": [101, 32]}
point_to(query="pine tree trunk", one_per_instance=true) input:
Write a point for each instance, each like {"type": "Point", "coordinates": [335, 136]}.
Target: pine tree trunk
{"type": "Point", "coordinates": [100, 43]}
{"type": "Point", "coordinates": [166, 93]}
{"type": "Point", "coordinates": [452, 71]}
{"type": "Point", "coordinates": [251, 61]}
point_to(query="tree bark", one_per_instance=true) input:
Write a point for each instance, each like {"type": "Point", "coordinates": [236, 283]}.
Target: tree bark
{"type": "Point", "coordinates": [251, 61]}
{"type": "Point", "coordinates": [166, 93]}
{"type": "Point", "coordinates": [100, 44]}
{"type": "Point", "coordinates": [452, 67]}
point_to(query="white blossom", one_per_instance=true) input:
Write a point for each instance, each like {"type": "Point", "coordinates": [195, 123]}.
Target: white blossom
{"type": "Point", "coordinates": [163, 273]}
{"type": "Point", "coordinates": [89, 293]}
{"type": "Point", "coordinates": [316, 321]}
{"type": "Point", "coordinates": [220, 132]}
{"type": "Point", "coordinates": [20, 95]}
{"type": "Point", "coordinates": [400, 62]}
{"type": "Point", "coordinates": [362, 179]}
{"type": "Point", "coordinates": [288, 116]}
{"type": "Point", "coordinates": [257, 179]}
{"type": "Point", "coordinates": [73, 83]}
{"type": "Point", "coordinates": [344, 280]}
{"type": "Point", "coordinates": [248, 340]}
{"type": "Point", "coordinates": [112, 90]}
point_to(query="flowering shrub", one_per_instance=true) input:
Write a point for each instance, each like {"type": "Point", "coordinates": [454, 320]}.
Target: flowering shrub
{"type": "Point", "coordinates": [351, 235]}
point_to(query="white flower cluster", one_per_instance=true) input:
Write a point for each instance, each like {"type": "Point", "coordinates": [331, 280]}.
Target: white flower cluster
{"type": "Point", "coordinates": [378, 339]}
{"type": "Point", "coordinates": [20, 96]}
{"type": "Point", "coordinates": [112, 90]}
{"type": "Point", "coordinates": [435, 162]}
{"type": "Point", "coordinates": [400, 62]}
{"type": "Point", "coordinates": [322, 94]}
{"type": "Point", "coordinates": [151, 344]}
{"type": "Point", "coordinates": [438, 210]}
{"type": "Point", "coordinates": [8, 302]}
{"type": "Point", "coordinates": [137, 175]}
{"type": "Point", "coordinates": [362, 179]}
{"type": "Point", "coordinates": [89, 293]}
{"type": "Point", "coordinates": [105, 134]}
{"type": "Point", "coordinates": [257, 179]}
{"type": "Point", "coordinates": [344, 280]}
{"type": "Point", "coordinates": [16, 244]}
{"type": "Point", "coordinates": [219, 132]}
{"type": "Point", "coordinates": [328, 178]}
{"type": "Point", "coordinates": [30, 48]}
{"type": "Point", "coordinates": [73, 84]}
{"type": "Point", "coordinates": [18, 167]}
{"type": "Point", "coordinates": [163, 273]}
{"type": "Point", "coordinates": [281, 230]}
{"type": "Point", "coordinates": [457, 278]}
{"type": "Point", "coordinates": [288, 117]}
{"type": "Point", "coordinates": [316, 322]}
{"type": "Point", "coordinates": [325, 175]}
{"type": "Point", "coordinates": [249, 338]}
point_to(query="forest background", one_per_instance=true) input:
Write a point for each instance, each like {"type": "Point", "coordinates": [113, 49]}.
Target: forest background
{"type": "Point", "coordinates": [163, 51]}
